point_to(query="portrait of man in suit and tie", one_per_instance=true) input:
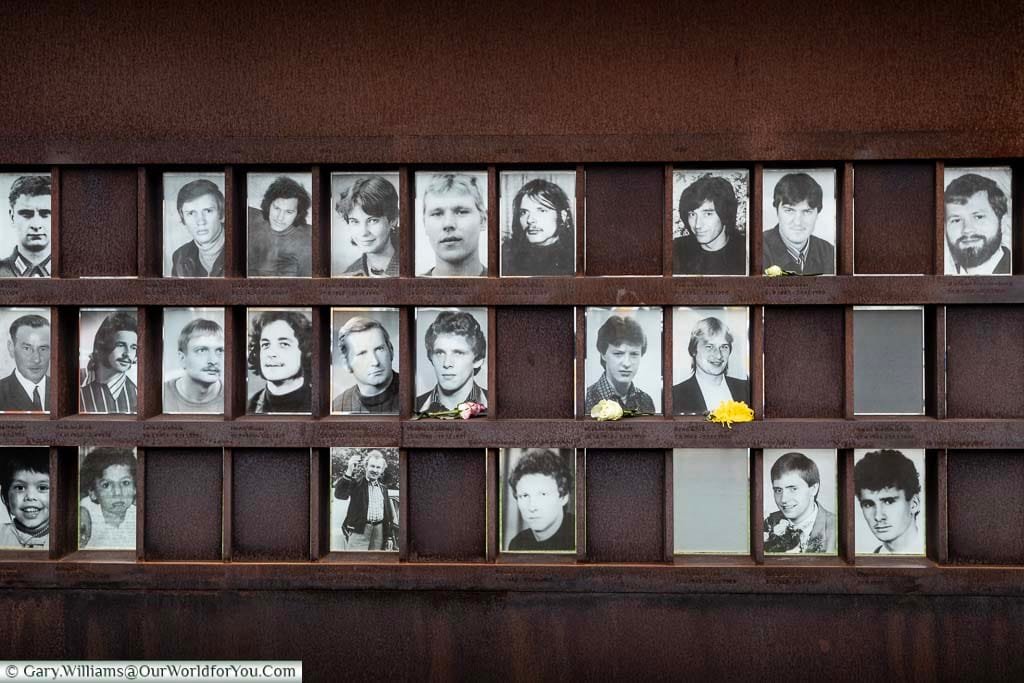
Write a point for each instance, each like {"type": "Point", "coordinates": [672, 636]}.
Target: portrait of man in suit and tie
{"type": "Point", "coordinates": [27, 388]}
{"type": "Point", "coordinates": [715, 365]}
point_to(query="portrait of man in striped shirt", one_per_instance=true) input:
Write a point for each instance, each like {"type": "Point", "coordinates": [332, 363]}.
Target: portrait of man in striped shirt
{"type": "Point", "coordinates": [29, 212]}
{"type": "Point", "coordinates": [106, 387]}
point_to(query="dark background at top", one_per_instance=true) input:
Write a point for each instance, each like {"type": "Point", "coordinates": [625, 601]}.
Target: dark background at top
{"type": "Point", "coordinates": [405, 78]}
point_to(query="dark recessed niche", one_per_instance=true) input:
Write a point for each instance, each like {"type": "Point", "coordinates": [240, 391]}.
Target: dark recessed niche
{"type": "Point", "coordinates": [984, 372]}
{"type": "Point", "coordinates": [986, 507]}
{"type": "Point", "coordinates": [91, 198]}
{"type": "Point", "coordinates": [803, 361]}
{"type": "Point", "coordinates": [447, 508]}
{"type": "Point", "coordinates": [270, 504]}
{"type": "Point", "coordinates": [625, 216]}
{"type": "Point", "coordinates": [625, 505]}
{"type": "Point", "coordinates": [536, 365]}
{"type": "Point", "coordinates": [183, 504]}
{"type": "Point", "coordinates": [894, 218]}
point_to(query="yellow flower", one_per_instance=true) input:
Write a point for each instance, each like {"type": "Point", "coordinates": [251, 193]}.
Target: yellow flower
{"type": "Point", "coordinates": [606, 410]}
{"type": "Point", "coordinates": [728, 412]}
{"type": "Point", "coordinates": [774, 271]}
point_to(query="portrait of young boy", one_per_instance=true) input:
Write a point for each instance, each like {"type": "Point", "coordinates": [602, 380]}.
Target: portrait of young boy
{"type": "Point", "coordinates": [25, 491]}
{"type": "Point", "coordinates": [539, 501]}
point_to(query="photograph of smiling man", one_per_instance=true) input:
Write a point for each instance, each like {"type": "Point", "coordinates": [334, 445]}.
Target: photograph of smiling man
{"type": "Point", "coordinates": [889, 486]}
{"type": "Point", "coordinates": [802, 206]}
{"type": "Point", "coordinates": [280, 229]}
{"type": "Point", "coordinates": [25, 493]}
{"type": "Point", "coordinates": [710, 222]}
{"type": "Point", "coordinates": [107, 489]}
{"type": "Point", "coordinates": [799, 497]}
{"type": "Point", "coordinates": [365, 506]}
{"type": "Point", "coordinates": [978, 220]}
{"type": "Point", "coordinates": [538, 500]}
{"type": "Point", "coordinates": [364, 224]}
{"type": "Point", "coordinates": [193, 217]}
{"type": "Point", "coordinates": [193, 362]}
{"type": "Point", "coordinates": [108, 354]}
{"type": "Point", "coordinates": [538, 218]}
{"type": "Point", "coordinates": [364, 370]}
{"type": "Point", "coordinates": [279, 356]}
{"type": "Point", "coordinates": [451, 224]}
{"type": "Point", "coordinates": [451, 358]}
{"type": "Point", "coordinates": [710, 358]}
{"type": "Point", "coordinates": [623, 361]}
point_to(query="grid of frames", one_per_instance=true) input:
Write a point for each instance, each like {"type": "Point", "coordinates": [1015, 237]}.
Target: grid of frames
{"type": "Point", "coordinates": [802, 376]}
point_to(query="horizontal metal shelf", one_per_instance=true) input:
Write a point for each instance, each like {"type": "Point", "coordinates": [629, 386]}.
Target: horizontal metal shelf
{"type": "Point", "coordinates": [547, 291]}
{"type": "Point", "coordinates": [802, 577]}
{"type": "Point", "coordinates": [921, 432]}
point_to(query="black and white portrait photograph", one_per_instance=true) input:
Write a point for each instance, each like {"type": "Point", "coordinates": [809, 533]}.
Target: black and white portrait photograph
{"type": "Point", "coordinates": [25, 225]}
{"type": "Point", "coordinates": [623, 359]}
{"type": "Point", "coordinates": [710, 358]}
{"type": "Point", "coordinates": [106, 506]}
{"type": "Point", "coordinates": [25, 368]}
{"type": "Point", "coordinates": [364, 224]}
{"type": "Point", "coordinates": [538, 500]}
{"type": "Point", "coordinates": [364, 366]}
{"type": "Point", "coordinates": [279, 358]}
{"type": "Point", "coordinates": [538, 223]}
{"type": "Point", "coordinates": [365, 503]}
{"type": "Point", "coordinates": [979, 221]}
{"type": "Point", "coordinates": [888, 360]}
{"type": "Point", "coordinates": [711, 501]}
{"type": "Point", "coordinates": [193, 361]}
{"type": "Point", "coordinates": [889, 486]}
{"type": "Point", "coordinates": [193, 216]}
{"type": "Point", "coordinates": [709, 222]}
{"type": "Point", "coordinates": [108, 356]}
{"type": "Point", "coordinates": [451, 358]}
{"type": "Point", "coordinates": [451, 224]}
{"type": "Point", "coordinates": [25, 491]}
{"type": "Point", "coordinates": [279, 224]}
{"type": "Point", "coordinates": [800, 501]}
{"type": "Point", "coordinates": [799, 220]}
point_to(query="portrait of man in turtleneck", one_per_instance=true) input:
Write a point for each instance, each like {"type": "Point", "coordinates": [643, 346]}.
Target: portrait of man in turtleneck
{"type": "Point", "coordinates": [200, 210]}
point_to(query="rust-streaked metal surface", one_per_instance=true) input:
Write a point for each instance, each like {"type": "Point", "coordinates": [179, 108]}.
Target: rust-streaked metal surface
{"type": "Point", "coordinates": [99, 223]}
{"type": "Point", "coordinates": [803, 362]}
{"type": "Point", "coordinates": [980, 532]}
{"type": "Point", "coordinates": [270, 505]}
{"type": "Point", "coordinates": [447, 506]}
{"type": "Point", "coordinates": [535, 359]}
{"type": "Point", "coordinates": [984, 377]}
{"type": "Point", "coordinates": [894, 218]}
{"type": "Point", "coordinates": [183, 504]}
{"type": "Point", "coordinates": [625, 499]}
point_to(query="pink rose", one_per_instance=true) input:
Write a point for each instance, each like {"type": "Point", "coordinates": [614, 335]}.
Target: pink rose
{"type": "Point", "coordinates": [470, 409]}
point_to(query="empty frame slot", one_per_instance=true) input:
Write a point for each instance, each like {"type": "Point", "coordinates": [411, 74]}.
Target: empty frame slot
{"type": "Point", "coordinates": [803, 362]}
{"type": "Point", "coordinates": [983, 375]}
{"type": "Point", "coordinates": [447, 509]}
{"type": "Point", "coordinates": [183, 504]}
{"type": "Point", "coordinates": [270, 504]}
{"type": "Point", "coordinates": [894, 218]}
{"type": "Point", "coordinates": [625, 505]}
{"type": "Point", "coordinates": [986, 533]}
{"type": "Point", "coordinates": [625, 214]}
{"type": "Point", "coordinates": [99, 222]}
{"type": "Point", "coordinates": [535, 355]}
{"type": "Point", "coordinates": [711, 500]}
{"type": "Point", "coordinates": [888, 360]}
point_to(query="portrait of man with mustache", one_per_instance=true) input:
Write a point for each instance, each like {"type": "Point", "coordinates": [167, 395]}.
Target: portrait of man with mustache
{"type": "Point", "coordinates": [200, 389]}
{"type": "Point", "coordinates": [106, 386]}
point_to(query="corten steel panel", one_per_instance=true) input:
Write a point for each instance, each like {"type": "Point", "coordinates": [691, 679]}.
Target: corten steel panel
{"type": "Point", "coordinates": [803, 362]}
{"type": "Point", "coordinates": [104, 75]}
{"type": "Point", "coordinates": [625, 220]}
{"type": "Point", "coordinates": [625, 505]}
{"type": "Point", "coordinates": [447, 510]}
{"type": "Point", "coordinates": [535, 357]}
{"type": "Point", "coordinates": [443, 635]}
{"type": "Point", "coordinates": [183, 503]}
{"type": "Point", "coordinates": [99, 222]}
{"type": "Point", "coordinates": [894, 218]}
{"type": "Point", "coordinates": [270, 504]}
{"type": "Point", "coordinates": [986, 507]}
{"type": "Point", "coordinates": [984, 372]}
